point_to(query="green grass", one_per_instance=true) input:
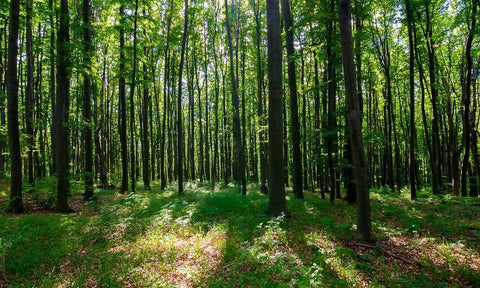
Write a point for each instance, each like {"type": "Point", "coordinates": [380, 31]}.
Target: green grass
{"type": "Point", "coordinates": [222, 239]}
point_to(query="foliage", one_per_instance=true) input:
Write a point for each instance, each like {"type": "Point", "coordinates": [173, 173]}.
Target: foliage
{"type": "Point", "coordinates": [213, 239]}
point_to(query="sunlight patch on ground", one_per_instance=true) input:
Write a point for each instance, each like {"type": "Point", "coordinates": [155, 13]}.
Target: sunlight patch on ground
{"type": "Point", "coordinates": [179, 257]}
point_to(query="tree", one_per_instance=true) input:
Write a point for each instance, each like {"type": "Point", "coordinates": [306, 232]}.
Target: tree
{"type": "Point", "coordinates": [133, 165]}
{"type": "Point", "coordinates": [354, 123]}
{"type": "Point", "coordinates": [62, 109]}
{"type": "Point", "coordinates": [260, 102]}
{"type": "Point", "coordinates": [237, 135]}
{"type": "Point", "coordinates": [180, 145]}
{"type": "Point", "coordinates": [29, 97]}
{"type": "Point", "coordinates": [292, 85]}
{"type": "Point", "coordinates": [87, 108]}
{"type": "Point", "coordinates": [277, 204]}
{"type": "Point", "coordinates": [16, 204]}
{"type": "Point", "coordinates": [123, 104]}
{"type": "Point", "coordinates": [413, 134]}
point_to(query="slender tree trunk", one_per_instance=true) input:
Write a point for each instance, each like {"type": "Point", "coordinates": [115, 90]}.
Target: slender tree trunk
{"type": "Point", "coordinates": [413, 133]}
{"type": "Point", "coordinates": [277, 204]}
{"type": "Point", "coordinates": [468, 116]}
{"type": "Point", "coordinates": [145, 142]}
{"type": "Point", "coordinates": [216, 165]}
{"type": "Point", "coordinates": [123, 104]}
{"type": "Point", "coordinates": [304, 125]}
{"type": "Point", "coordinates": [432, 67]}
{"type": "Point", "coordinates": [355, 126]}
{"type": "Point", "coordinates": [165, 98]}
{"type": "Point", "coordinates": [62, 109]}
{"type": "Point", "coordinates": [102, 129]}
{"type": "Point", "coordinates": [180, 146]}
{"type": "Point", "coordinates": [292, 85]}
{"type": "Point", "coordinates": [260, 108]}
{"type": "Point", "coordinates": [51, 86]}
{"type": "Point", "coordinates": [331, 118]}
{"type": "Point", "coordinates": [29, 97]}
{"type": "Point", "coordinates": [87, 113]}
{"type": "Point", "coordinates": [16, 204]}
{"type": "Point", "coordinates": [237, 132]}
{"type": "Point", "coordinates": [133, 162]}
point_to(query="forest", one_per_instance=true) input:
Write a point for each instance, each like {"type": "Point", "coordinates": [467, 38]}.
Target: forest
{"type": "Point", "coordinates": [259, 143]}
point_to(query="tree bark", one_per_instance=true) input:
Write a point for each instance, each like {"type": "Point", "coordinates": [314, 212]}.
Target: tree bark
{"type": "Point", "coordinates": [123, 104]}
{"type": "Point", "coordinates": [260, 107]}
{"type": "Point", "coordinates": [180, 146]}
{"type": "Point", "coordinates": [87, 113]}
{"type": "Point", "coordinates": [355, 126]}
{"type": "Point", "coordinates": [62, 109]}
{"type": "Point", "coordinates": [237, 132]}
{"type": "Point", "coordinates": [277, 204]}
{"type": "Point", "coordinates": [292, 85]}
{"type": "Point", "coordinates": [413, 133]}
{"type": "Point", "coordinates": [133, 162]}
{"type": "Point", "coordinates": [16, 204]}
{"type": "Point", "coordinates": [145, 142]}
{"type": "Point", "coordinates": [29, 97]}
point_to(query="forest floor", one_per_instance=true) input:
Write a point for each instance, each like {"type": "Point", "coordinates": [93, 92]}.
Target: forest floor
{"type": "Point", "coordinates": [219, 238]}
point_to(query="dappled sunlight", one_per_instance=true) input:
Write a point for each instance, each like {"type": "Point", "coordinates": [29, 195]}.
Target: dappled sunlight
{"type": "Point", "coordinates": [208, 238]}
{"type": "Point", "coordinates": [178, 257]}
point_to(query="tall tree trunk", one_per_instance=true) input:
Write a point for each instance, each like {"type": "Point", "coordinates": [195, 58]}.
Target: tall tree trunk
{"type": "Point", "coordinates": [469, 125]}
{"type": "Point", "coordinates": [260, 107]}
{"type": "Point", "coordinates": [276, 202]}
{"type": "Point", "coordinates": [123, 104]}
{"type": "Point", "coordinates": [292, 85]}
{"type": "Point", "coordinates": [237, 132]}
{"type": "Point", "coordinates": [87, 113]}
{"type": "Point", "coordinates": [102, 129]}
{"type": "Point", "coordinates": [331, 118]}
{"type": "Point", "coordinates": [133, 162]}
{"type": "Point", "coordinates": [304, 124]}
{"type": "Point", "coordinates": [216, 165]}
{"type": "Point", "coordinates": [432, 67]}
{"type": "Point", "coordinates": [29, 98]}
{"type": "Point", "coordinates": [166, 79]}
{"type": "Point", "coordinates": [207, 108]}
{"type": "Point", "coordinates": [62, 108]}
{"type": "Point", "coordinates": [145, 142]}
{"type": "Point", "coordinates": [16, 204]}
{"type": "Point", "coordinates": [51, 86]}
{"type": "Point", "coordinates": [355, 126]}
{"type": "Point", "coordinates": [413, 133]}
{"type": "Point", "coordinates": [180, 146]}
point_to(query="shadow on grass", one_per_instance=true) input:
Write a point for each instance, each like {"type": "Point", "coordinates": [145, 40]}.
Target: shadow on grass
{"type": "Point", "coordinates": [223, 239]}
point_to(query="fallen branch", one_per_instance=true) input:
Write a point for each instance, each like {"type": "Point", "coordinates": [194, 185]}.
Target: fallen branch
{"type": "Point", "coordinates": [386, 253]}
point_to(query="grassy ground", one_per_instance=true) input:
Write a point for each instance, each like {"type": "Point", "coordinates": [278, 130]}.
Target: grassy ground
{"type": "Point", "coordinates": [222, 239]}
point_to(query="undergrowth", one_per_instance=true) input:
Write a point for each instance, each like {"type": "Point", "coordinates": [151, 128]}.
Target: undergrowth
{"type": "Point", "coordinates": [223, 239]}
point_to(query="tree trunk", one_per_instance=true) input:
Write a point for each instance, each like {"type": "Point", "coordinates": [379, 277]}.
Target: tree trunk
{"type": "Point", "coordinates": [260, 107]}
{"type": "Point", "coordinates": [331, 118]}
{"type": "Point", "coordinates": [354, 124]}
{"type": "Point", "coordinates": [180, 146]}
{"type": "Point", "coordinates": [237, 132]}
{"type": "Point", "coordinates": [133, 162]}
{"type": "Point", "coordinates": [16, 204]}
{"type": "Point", "coordinates": [123, 104]}
{"type": "Point", "coordinates": [87, 113]}
{"type": "Point", "coordinates": [413, 133]}
{"type": "Point", "coordinates": [145, 142]}
{"type": "Point", "coordinates": [469, 125]}
{"type": "Point", "coordinates": [277, 204]}
{"type": "Point", "coordinates": [62, 109]}
{"type": "Point", "coordinates": [29, 98]}
{"type": "Point", "coordinates": [292, 85]}
{"type": "Point", "coordinates": [51, 86]}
